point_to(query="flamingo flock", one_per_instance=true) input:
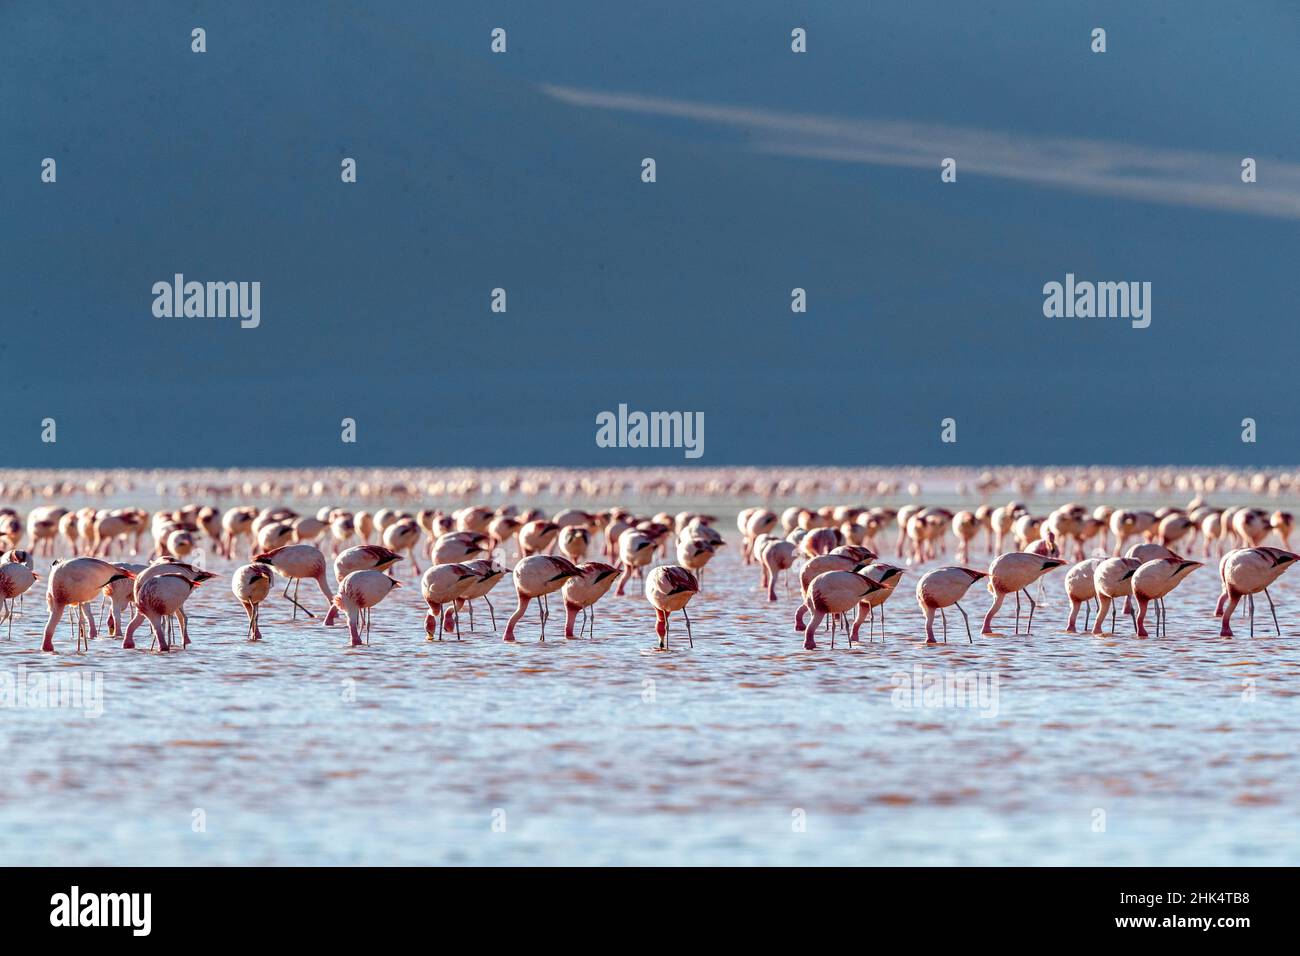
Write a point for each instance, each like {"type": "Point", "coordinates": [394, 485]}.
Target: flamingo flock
{"type": "Point", "coordinates": [1117, 561]}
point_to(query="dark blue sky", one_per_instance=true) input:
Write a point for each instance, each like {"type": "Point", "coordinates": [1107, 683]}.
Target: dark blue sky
{"type": "Point", "coordinates": [775, 171]}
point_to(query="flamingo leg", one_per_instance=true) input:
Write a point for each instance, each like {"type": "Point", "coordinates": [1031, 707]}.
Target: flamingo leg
{"type": "Point", "coordinates": [296, 582]}
{"type": "Point", "coordinates": [969, 639]}
{"type": "Point", "coordinates": [1274, 610]}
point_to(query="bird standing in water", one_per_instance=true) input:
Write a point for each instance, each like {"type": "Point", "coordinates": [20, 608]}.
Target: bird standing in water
{"type": "Point", "coordinates": [670, 588]}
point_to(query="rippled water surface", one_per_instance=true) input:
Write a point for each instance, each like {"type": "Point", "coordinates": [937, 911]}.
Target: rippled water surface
{"type": "Point", "coordinates": [746, 749]}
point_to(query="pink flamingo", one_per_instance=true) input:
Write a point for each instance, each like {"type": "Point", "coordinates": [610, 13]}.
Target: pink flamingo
{"type": "Point", "coordinates": [670, 588]}
{"type": "Point", "coordinates": [358, 593]}
{"type": "Point", "coordinates": [161, 597]}
{"type": "Point", "coordinates": [834, 593]}
{"type": "Point", "coordinates": [582, 592]}
{"type": "Point", "coordinates": [1113, 579]}
{"type": "Point", "coordinates": [72, 584]}
{"type": "Point", "coordinates": [296, 562]}
{"type": "Point", "coordinates": [775, 556]}
{"type": "Point", "coordinates": [1081, 589]}
{"type": "Point", "coordinates": [535, 577]}
{"type": "Point", "coordinates": [1152, 581]}
{"type": "Point", "coordinates": [403, 535]}
{"type": "Point", "coordinates": [15, 579]}
{"type": "Point", "coordinates": [251, 583]}
{"type": "Point", "coordinates": [1013, 573]}
{"type": "Point", "coordinates": [1245, 573]}
{"type": "Point", "coordinates": [443, 584]}
{"type": "Point", "coordinates": [943, 588]}
{"type": "Point", "coordinates": [364, 557]}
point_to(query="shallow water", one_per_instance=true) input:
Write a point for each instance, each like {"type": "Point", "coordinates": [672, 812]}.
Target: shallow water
{"type": "Point", "coordinates": [745, 749]}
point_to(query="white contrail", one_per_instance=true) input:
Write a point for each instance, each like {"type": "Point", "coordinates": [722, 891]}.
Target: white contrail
{"type": "Point", "coordinates": [1172, 176]}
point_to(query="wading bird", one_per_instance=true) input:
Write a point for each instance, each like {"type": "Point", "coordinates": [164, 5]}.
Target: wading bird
{"type": "Point", "coordinates": [537, 576]}
{"type": "Point", "coordinates": [161, 597]}
{"type": "Point", "coordinates": [1013, 573]}
{"type": "Point", "coordinates": [1151, 582]}
{"type": "Point", "coordinates": [250, 584]}
{"type": "Point", "coordinates": [358, 593]}
{"type": "Point", "coordinates": [442, 585]}
{"type": "Point", "coordinates": [582, 592]}
{"type": "Point", "coordinates": [835, 593]}
{"type": "Point", "coordinates": [295, 562]}
{"type": "Point", "coordinates": [15, 579]}
{"type": "Point", "coordinates": [1081, 589]}
{"type": "Point", "coordinates": [670, 588]}
{"type": "Point", "coordinates": [1113, 579]}
{"type": "Point", "coordinates": [1245, 573]}
{"type": "Point", "coordinates": [71, 585]}
{"type": "Point", "coordinates": [942, 588]}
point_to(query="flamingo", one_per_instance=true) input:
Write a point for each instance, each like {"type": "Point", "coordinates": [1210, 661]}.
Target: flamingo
{"type": "Point", "coordinates": [759, 522]}
{"type": "Point", "coordinates": [582, 592]}
{"type": "Point", "coordinates": [1283, 522]}
{"type": "Point", "coordinates": [15, 579]}
{"type": "Point", "coordinates": [1080, 589]}
{"type": "Point", "coordinates": [160, 597]}
{"type": "Point", "coordinates": [1112, 579]}
{"type": "Point", "coordinates": [941, 588]}
{"type": "Point", "coordinates": [308, 528]}
{"type": "Point", "coordinates": [443, 584]}
{"type": "Point", "coordinates": [1251, 525]}
{"type": "Point", "coordinates": [502, 528]}
{"type": "Point", "coordinates": [635, 551]}
{"type": "Point", "coordinates": [296, 562]}
{"type": "Point", "coordinates": [161, 567]}
{"type": "Point", "coordinates": [536, 536]}
{"type": "Point", "coordinates": [535, 577]}
{"type": "Point", "coordinates": [403, 535]}
{"type": "Point", "coordinates": [458, 546]}
{"type": "Point", "coordinates": [669, 588]}
{"type": "Point", "coordinates": [820, 541]}
{"type": "Point", "coordinates": [573, 541]}
{"type": "Point", "coordinates": [489, 575]}
{"type": "Point", "coordinates": [120, 594]}
{"type": "Point", "coordinates": [838, 560]}
{"type": "Point", "coordinates": [1152, 581]}
{"type": "Point", "coordinates": [342, 530]}
{"type": "Point", "coordinates": [835, 592]}
{"type": "Point", "coordinates": [693, 553]}
{"type": "Point", "coordinates": [888, 576]}
{"type": "Point", "coordinates": [1244, 573]}
{"type": "Point", "coordinates": [251, 583]}
{"type": "Point", "coordinates": [72, 584]}
{"type": "Point", "coordinates": [358, 593]}
{"type": "Point", "coordinates": [364, 557]}
{"type": "Point", "coordinates": [1014, 572]}
{"type": "Point", "coordinates": [775, 556]}
{"type": "Point", "coordinates": [966, 526]}
{"type": "Point", "coordinates": [235, 524]}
